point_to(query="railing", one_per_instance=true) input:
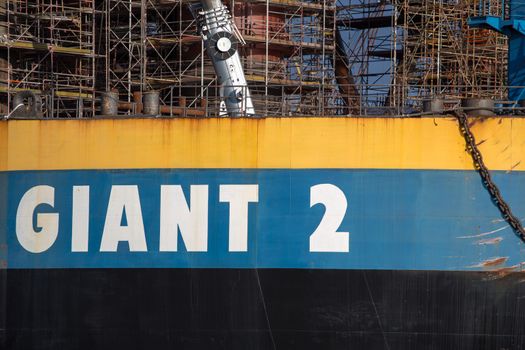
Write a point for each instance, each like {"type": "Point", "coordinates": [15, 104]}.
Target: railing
{"type": "Point", "coordinates": [282, 100]}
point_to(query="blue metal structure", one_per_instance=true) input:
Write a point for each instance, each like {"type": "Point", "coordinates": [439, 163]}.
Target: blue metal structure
{"type": "Point", "coordinates": [512, 24]}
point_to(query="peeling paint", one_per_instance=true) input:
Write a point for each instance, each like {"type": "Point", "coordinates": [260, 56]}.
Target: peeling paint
{"type": "Point", "coordinates": [490, 241]}
{"type": "Point", "coordinates": [484, 233]}
{"type": "Point", "coordinates": [508, 269]}
{"type": "Point", "coordinates": [493, 262]}
{"type": "Point", "coordinates": [500, 273]}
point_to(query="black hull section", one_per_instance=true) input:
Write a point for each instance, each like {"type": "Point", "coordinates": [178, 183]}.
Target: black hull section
{"type": "Point", "coordinates": [260, 309]}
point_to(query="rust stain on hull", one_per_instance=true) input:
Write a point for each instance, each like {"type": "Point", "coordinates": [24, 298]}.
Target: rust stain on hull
{"type": "Point", "coordinates": [481, 142]}
{"type": "Point", "coordinates": [503, 272]}
{"type": "Point", "coordinates": [512, 167]}
{"type": "Point", "coordinates": [493, 262]}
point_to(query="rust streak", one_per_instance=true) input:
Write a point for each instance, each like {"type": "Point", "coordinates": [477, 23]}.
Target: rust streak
{"type": "Point", "coordinates": [494, 261]}
{"type": "Point", "coordinates": [474, 121]}
{"type": "Point", "coordinates": [507, 269]}
{"type": "Point", "coordinates": [512, 167]}
{"type": "Point", "coordinates": [481, 142]}
{"type": "Point", "coordinates": [504, 271]}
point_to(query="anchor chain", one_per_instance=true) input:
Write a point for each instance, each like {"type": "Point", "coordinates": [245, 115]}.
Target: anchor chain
{"type": "Point", "coordinates": [488, 183]}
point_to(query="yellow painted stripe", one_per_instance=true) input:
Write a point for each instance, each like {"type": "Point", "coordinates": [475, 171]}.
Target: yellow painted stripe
{"type": "Point", "coordinates": [388, 143]}
{"type": "Point", "coordinates": [3, 146]}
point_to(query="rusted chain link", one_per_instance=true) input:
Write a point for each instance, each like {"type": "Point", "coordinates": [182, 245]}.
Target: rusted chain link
{"type": "Point", "coordinates": [491, 187]}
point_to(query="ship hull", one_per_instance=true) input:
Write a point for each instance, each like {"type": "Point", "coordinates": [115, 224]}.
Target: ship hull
{"type": "Point", "coordinates": [262, 309]}
{"type": "Point", "coordinates": [303, 233]}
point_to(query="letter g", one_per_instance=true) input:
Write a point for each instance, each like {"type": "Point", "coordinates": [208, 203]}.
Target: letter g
{"type": "Point", "coordinates": [32, 241]}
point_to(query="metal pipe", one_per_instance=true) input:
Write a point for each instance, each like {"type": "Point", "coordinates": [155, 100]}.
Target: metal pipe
{"type": "Point", "coordinates": [150, 102]}
{"type": "Point", "coordinates": [137, 97]}
{"type": "Point", "coordinates": [109, 103]}
{"type": "Point", "coordinates": [478, 107]}
{"type": "Point", "coordinates": [221, 39]}
{"type": "Point", "coordinates": [163, 109]}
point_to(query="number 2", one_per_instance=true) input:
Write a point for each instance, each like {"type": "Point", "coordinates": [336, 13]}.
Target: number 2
{"type": "Point", "coordinates": [326, 238]}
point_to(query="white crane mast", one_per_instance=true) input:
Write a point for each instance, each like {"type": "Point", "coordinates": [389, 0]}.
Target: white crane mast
{"type": "Point", "coordinates": [221, 37]}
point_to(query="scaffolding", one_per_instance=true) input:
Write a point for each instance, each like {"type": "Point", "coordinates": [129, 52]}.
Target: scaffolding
{"type": "Point", "coordinates": [301, 58]}
{"type": "Point", "coordinates": [48, 48]}
{"type": "Point", "coordinates": [288, 57]}
{"type": "Point", "coordinates": [408, 51]}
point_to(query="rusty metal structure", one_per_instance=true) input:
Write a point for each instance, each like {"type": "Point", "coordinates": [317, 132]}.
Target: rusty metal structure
{"type": "Point", "coordinates": [407, 51]}
{"type": "Point", "coordinates": [288, 59]}
{"type": "Point", "coordinates": [48, 51]}
{"type": "Point", "coordinates": [309, 57]}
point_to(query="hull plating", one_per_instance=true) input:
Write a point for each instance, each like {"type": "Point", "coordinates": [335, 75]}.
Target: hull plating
{"type": "Point", "coordinates": [422, 258]}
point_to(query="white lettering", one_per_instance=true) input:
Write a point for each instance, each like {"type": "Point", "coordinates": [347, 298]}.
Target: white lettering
{"type": "Point", "coordinates": [191, 221]}
{"type": "Point", "coordinates": [124, 200]}
{"type": "Point", "coordinates": [325, 237]}
{"type": "Point", "coordinates": [36, 241]}
{"type": "Point", "coordinates": [238, 196]}
{"type": "Point", "coordinates": [80, 219]}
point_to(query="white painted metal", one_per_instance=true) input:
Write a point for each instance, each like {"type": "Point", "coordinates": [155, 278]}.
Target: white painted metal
{"type": "Point", "coordinates": [220, 38]}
